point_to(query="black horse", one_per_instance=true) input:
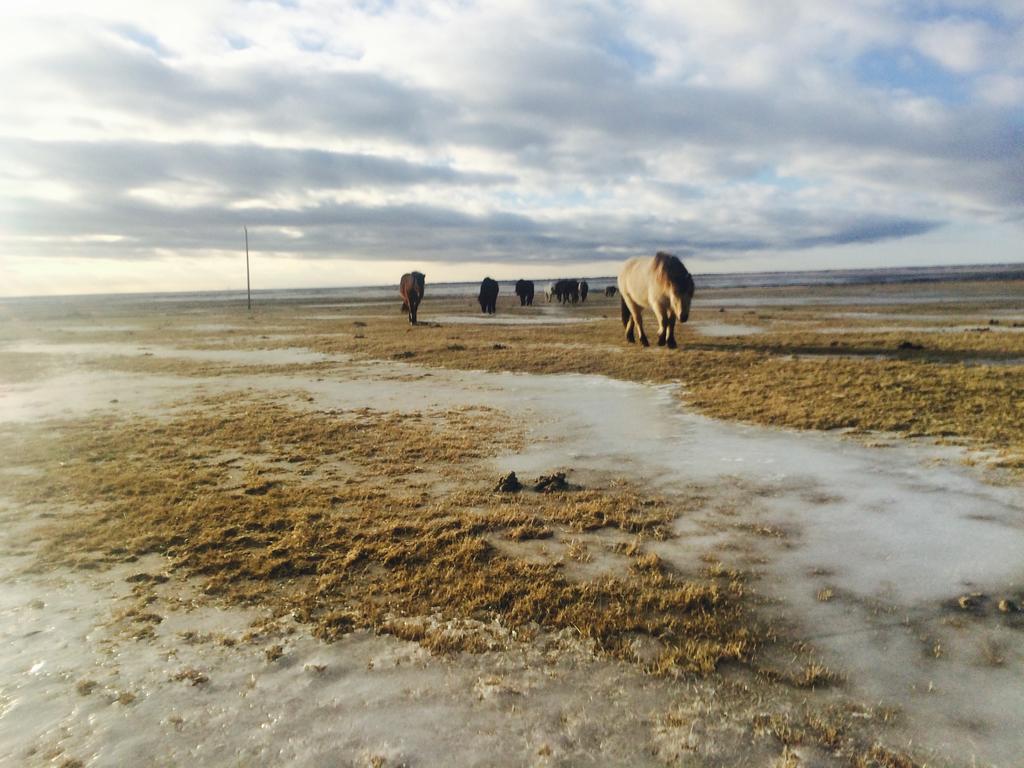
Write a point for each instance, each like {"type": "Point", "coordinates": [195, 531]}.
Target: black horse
{"type": "Point", "coordinates": [524, 290]}
{"type": "Point", "coordinates": [488, 295]}
{"type": "Point", "coordinates": [567, 291]}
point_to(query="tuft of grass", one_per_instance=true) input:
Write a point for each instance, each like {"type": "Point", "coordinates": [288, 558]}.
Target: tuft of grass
{"type": "Point", "coordinates": [352, 529]}
{"type": "Point", "coordinates": [190, 675]}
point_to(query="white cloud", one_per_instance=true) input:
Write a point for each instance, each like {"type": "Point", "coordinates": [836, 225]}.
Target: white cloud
{"type": "Point", "coordinates": [958, 45]}
{"type": "Point", "coordinates": [1003, 90]}
{"type": "Point", "coordinates": [530, 130]}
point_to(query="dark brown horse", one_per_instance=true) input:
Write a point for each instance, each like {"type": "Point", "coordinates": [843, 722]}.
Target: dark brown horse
{"type": "Point", "coordinates": [411, 288]}
{"type": "Point", "coordinates": [488, 295]}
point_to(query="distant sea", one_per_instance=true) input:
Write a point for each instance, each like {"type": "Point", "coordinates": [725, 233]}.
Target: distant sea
{"type": "Point", "coordinates": [704, 281]}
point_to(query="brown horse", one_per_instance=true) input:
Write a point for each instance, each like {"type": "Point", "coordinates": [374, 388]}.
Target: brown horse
{"type": "Point", "coordinates": [661, 284]}
{"type": "Point", "coordinates": [411, 288]}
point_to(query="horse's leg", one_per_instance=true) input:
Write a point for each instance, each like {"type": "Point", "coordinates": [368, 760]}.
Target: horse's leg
{"type": "Point", "coordinates": [640, 324]}
{"type": "Point", "coordinates": [672, 332]}
{"type": "Point", "coordinates": [637, 320]}
{"type": "Point", "coordinates": [627, 319]}
{"type": "Point", "coordinates": [659, 315]}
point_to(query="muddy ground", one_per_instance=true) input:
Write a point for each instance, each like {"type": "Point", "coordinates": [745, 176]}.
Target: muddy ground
{"type": "Point", "coordinates": [254, 538]}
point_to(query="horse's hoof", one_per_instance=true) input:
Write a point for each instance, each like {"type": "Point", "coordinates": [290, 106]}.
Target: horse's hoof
{"type": "Point", "coordinates": [661, 342]}
{"type": "Point", "coordinates": [644, 341]}
{"type": "Point", "coordinates": [672, 344]}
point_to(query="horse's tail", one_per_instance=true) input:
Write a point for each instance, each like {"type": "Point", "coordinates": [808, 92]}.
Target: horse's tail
{"type": "Point", "coordinates": [625, 311]}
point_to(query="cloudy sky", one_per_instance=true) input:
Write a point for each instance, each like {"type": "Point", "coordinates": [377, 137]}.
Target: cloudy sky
{"type": "Point", "coordinates": [357, 139]}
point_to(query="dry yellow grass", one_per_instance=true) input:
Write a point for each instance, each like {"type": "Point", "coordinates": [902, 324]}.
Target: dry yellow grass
{"type": "Point", "coordinates": [790, 379]}
{"type": "Point", "coordinates": [340, 519]}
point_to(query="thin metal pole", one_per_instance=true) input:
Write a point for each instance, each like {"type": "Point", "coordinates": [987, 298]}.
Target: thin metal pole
{"type": "Point", "coordinates": [248, 289]}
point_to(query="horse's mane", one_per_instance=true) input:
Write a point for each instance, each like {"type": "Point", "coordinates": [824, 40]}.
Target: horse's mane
{"type": "Point", "coordinates": [671, 269]}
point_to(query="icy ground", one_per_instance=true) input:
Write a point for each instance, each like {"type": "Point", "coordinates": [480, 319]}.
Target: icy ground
{"type": "Point", "coordinates": [875, 545]}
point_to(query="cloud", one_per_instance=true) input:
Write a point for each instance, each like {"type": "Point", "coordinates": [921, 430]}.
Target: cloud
{"type": "Point", "coordinates": [513, 130]}
{"type": "Point", "coordinates": [247, 170]}
{"type": "Point", "coordinates": [958, 45]}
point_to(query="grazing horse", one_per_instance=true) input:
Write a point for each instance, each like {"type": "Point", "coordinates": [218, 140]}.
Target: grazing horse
{"type": "Point", "coordinates": [584, 289]}
{"type": "Point", "coordinates": [488, 295]}
{"type": "Point", "coordinates": [524, 290]}
{"type": "Point", "coordinates": [610, 291]}
{"type": "Point", "coordinates": [567, 290]}
{"type": "Point", "coordinates": [551, 290]}
{"type": "Point", "coordinates": [661, 284]}
{"type": "Point", "coordinates": [411, 288]}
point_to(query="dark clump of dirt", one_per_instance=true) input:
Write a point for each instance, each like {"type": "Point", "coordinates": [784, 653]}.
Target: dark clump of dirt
{"type": "Point", "coordinates": [909, 345]}
{"type": "Point", "coordinates": [553, 482]}
{"type": "Point", "coordinates": [975, 601]}
{"type": "Point", "coordinates": [147, 578]}
{"type": "Point", "coordinates": [509, 484]}
{"type": "Point", "coordinates": [261, 489]}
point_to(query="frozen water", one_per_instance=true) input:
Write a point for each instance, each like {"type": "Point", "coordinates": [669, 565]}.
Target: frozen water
{"type": "Point", "coordinates": [895, 532]}
{"type": "Point", "coordinates": [284, 356]}
{"type": "Point", "coordinates": [726, 329]}
{"type": "Point", "coordinates": [76, 686]}
{"type": "Point", "coordinates": [981, 328]}
{"type": "Point", "coordinates": [505, 319]}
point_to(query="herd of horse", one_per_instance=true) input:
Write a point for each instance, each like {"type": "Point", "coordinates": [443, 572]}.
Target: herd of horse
{"type": "Point", "coordinates": [659, 283]}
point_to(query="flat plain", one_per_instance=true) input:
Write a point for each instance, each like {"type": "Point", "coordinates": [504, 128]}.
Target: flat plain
{"type": "Point", "coordinates": [274, 536]}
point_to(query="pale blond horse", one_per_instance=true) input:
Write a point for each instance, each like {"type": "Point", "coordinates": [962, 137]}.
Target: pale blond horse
{"type": "Point", "coordinates": [660, 284]}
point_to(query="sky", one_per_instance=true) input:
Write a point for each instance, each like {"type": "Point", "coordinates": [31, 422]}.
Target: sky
{"type": "Point", "coordinates": [358, 140]}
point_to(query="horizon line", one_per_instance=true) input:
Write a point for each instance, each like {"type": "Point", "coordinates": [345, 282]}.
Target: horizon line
{"type": "Point", "coordinates": [846, 270]}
